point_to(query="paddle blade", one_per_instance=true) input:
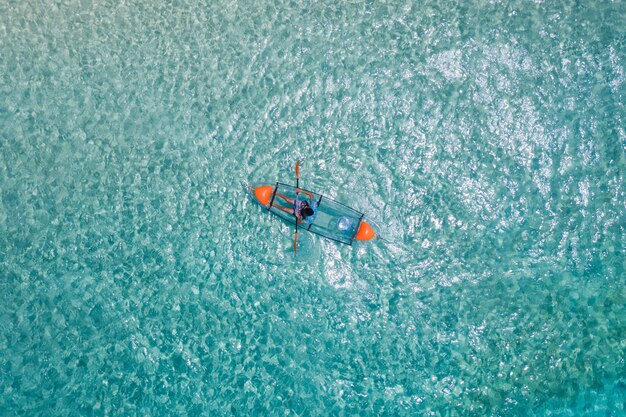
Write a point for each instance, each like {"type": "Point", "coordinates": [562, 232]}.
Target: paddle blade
{"type": "Point", "coordinates": [298, 169]}
{"type": "Point", "coordinates": [295, 243]}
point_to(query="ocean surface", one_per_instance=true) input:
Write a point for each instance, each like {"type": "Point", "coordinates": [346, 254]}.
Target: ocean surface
{"type": "Point", "coordinates": [485, 138]}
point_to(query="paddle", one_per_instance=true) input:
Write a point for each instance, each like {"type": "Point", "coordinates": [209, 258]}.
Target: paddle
{"type": "Point", "coordinates": [295, 238]}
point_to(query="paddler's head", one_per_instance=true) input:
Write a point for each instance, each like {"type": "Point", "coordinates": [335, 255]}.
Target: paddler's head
{"type": "Point", "coordinates": [306, 210]}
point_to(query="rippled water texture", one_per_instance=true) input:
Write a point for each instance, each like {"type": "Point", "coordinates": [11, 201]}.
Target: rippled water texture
{"type": "Point", "coordinates": [485, 138]}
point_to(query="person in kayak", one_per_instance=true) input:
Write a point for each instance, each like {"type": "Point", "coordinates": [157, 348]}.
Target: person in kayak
{"type": "Point", "coordinates": [305, 211]}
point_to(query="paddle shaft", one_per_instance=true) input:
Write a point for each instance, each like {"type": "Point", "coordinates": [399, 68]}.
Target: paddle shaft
{"type": "Point", "coordinates": [295, 238]}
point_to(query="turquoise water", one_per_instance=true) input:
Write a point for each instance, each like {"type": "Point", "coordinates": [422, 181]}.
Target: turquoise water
{"type": "Point", "coordinates": [486, 138]}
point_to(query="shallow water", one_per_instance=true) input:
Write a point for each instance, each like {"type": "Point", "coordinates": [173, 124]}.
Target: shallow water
{"type": "Point", "coordinates": [485, 138]}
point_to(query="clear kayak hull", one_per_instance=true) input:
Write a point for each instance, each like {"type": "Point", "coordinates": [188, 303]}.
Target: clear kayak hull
{"type": "Point", "coordinates": [334, 220]}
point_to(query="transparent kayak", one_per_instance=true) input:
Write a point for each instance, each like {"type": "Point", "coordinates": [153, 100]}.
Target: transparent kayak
{"type": "Point", "coordinates": [333, 221]}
